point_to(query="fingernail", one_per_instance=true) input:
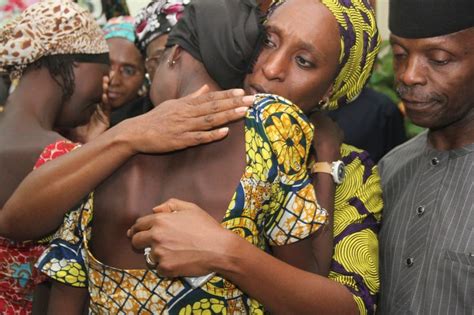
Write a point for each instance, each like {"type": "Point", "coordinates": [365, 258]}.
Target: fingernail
{"type": "Point", "coordinates": [240, 110]}
{"type": "Point", "coordinates": [223, 130]}
{"type": "Point", "coordinates": [128, 232]}
{"type": "Point", "coordinates": [238, 92]}
{"type": "Point", "coordinates": [248, 99]}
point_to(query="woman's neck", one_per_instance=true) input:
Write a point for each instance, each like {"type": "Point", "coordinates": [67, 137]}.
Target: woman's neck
{"type": "Point", "coordinates": [194, 77]}
{"type": "Point", "coordinates": [196, 85]}
{"type": "Point", "coordinates": [36, 100]}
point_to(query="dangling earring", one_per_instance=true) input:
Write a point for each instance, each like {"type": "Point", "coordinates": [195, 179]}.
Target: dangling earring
{"type": "Point", "coordinates": [143, 90]}
{"type": "Point", "coordinates": [324, 102]}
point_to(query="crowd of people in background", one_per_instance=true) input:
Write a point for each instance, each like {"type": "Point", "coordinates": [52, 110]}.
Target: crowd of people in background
{"type": "Point", "coordinates": [228, 157]}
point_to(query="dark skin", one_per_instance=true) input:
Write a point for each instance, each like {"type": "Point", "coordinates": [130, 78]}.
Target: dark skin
{"type": "Point", "coordinates": [37, 117]}
{"type": "Point", "coordinates": [322, 294]}
{"type": "Point", "coordinates": [121, 86]}
{"type": "Point", "coordinates": [30, 121]}
{"type": "Point", "coordinates": [174, 125]}
{"type": "Point", "coordinates": [146, 180]}
{"type": "Point", "coordinates": [60, 293]}
{"type": "Point", "coordinates": [292, 63]}
{"type": "Point", "coordinates": [434, 79]}
{"type": "Point", "coordinates": [154, 51]}
{"type": "Point", "coordinates": [127, 72]}
{"type": "Point", "coordinates": [279, 286]}
{"type": "Point", "coordinates": [206, 175]}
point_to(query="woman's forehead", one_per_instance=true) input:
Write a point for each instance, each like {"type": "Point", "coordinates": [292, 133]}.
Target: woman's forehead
{"type": "Point", "coordinates": [308, 21]}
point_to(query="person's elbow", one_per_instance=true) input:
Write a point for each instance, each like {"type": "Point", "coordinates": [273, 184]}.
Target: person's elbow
{"type": "Point", "coordinates": [10, 228]}
{"type": "Point", "coordinates": [5, 225]}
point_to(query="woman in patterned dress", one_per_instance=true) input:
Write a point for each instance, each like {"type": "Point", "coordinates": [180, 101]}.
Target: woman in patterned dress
{"type": "Point", "coordinates": [60, 53]}
{"type": "Point", "coordinates": [272, 204]}
{"type": "Point", "coordinates": [59, 87]}
{"type": "Point", "coordinates": [306, 299]}
{"type": "Point", "coordinates": [295, 62]}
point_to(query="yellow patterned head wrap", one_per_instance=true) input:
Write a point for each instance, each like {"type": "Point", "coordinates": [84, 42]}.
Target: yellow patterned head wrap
{"type": "Point", "coordinates": [50, 27]}
{"type": "Point", "coordinates": [360, 43]}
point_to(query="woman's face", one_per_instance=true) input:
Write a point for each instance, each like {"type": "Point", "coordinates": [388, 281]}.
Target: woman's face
{"type": "Point", "coordinates": [87, 94]}
{"type": "Point", "coordinates": [168, 76]}
{"type": "Point", "coordinates": [300, 57]}
{"type": "Point", "coordinates": [127, 72]}
{"type": "Point", "coordinates": [154, 52]}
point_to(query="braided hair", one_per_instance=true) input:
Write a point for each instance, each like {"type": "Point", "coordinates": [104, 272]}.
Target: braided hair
{"type": "Point", "coordinates": [61, 69]}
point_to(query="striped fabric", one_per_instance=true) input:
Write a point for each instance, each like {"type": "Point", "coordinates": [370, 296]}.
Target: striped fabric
{"type": "Point", "coordinates": [427, 241]}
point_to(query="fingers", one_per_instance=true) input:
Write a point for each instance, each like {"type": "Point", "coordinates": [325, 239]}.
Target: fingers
{"type": "Point", "coordinates": [173, 205]}
{"type": "Point", "coordinates": [163, 208]}
{"type": "Point", "coordinates": [142, 224]}
{"type": "Point", "coordinates": [202, 90]}
{"type": "Point", "coordinates": [141, 240]}
{"type": "Point", "coordinates": [105, 89]}
{"type": "Point", "coordinates": [106, 106]}
{"type": "Point", "coordinates": [239, 103]}
{"type": "Point", "coordinates": [201, 137]}
{"type": "Point", "coordinates": [215, 120]}
{"type": "Point", "coordinates": [214, 97]}
{"type": "Point", "coordinates": [103, 112]}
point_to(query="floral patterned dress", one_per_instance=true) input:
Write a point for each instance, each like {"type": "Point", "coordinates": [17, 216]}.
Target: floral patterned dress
{"type": "Point", "coordinates": [274, 204]}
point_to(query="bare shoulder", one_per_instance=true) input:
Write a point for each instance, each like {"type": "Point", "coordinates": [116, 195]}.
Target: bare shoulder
{"type": "Point", "coordinates": [18, 156]}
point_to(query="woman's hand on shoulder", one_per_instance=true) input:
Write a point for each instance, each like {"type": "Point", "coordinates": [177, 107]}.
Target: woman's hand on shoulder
{"type": "Point", "coordinates": [185, 122]}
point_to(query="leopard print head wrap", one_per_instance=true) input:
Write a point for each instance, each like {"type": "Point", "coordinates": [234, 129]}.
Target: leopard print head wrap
{"type": "Point", "coordinates": [50, 27]}
{"type": "Point", "coordinates": [360, 43]}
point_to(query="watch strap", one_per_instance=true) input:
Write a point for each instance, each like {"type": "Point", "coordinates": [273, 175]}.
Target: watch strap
{"type": "Point", "coordinates": [322, 167]}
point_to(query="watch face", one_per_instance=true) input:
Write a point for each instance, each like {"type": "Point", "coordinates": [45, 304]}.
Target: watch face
{"type": "Point", "coordinates": [341, 172]}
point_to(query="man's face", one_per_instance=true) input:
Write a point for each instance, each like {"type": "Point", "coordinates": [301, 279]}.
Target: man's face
{"type": "Point", "coordinates": [435, 78]}
{"type": "Point", "coordinates": [300, 56]}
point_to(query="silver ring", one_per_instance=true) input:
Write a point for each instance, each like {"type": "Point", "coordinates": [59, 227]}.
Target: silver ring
{"type": "Point", "coordinates": [148, 259]}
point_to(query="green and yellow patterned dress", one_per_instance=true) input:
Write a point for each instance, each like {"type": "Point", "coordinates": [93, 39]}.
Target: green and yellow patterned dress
{"type": "Point", "coordinates": [274, 204]}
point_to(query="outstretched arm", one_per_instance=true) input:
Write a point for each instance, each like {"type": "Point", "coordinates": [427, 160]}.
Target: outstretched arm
{"type": "Point", "coordinates": [46, 194]}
